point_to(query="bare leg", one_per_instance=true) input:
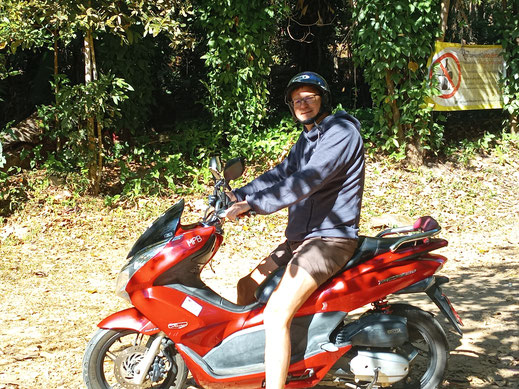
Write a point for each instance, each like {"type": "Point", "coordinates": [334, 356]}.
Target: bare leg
{"type": "Point", "coordinates": [293, 290]}
{"type": "Point", "coordinates": [248, 284]}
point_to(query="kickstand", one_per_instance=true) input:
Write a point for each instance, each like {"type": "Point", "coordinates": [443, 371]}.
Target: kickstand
{"type": "Point", "coordinates": [375, 379]}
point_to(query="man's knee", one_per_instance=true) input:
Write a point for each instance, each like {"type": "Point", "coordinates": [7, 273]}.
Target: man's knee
{"type": "Point", "coordinates": [293, 290]}
{"type": "Point", "coordinates": [275, 314]}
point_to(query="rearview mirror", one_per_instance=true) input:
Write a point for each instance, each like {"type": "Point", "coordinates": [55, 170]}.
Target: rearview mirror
{"type": "Point", "coordinates": [234, 168]}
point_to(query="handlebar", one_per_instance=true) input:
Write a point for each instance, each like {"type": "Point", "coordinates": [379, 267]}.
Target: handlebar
{"type": "Point", "coordinates": [219, 201]}
{"type": "Point", "coordinates": [221, 204]}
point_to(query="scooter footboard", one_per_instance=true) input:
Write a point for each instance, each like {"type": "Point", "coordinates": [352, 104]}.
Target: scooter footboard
{"type": "Point", "coordinates": [130, 319]}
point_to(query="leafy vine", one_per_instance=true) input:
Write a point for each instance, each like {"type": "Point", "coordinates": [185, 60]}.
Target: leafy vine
{"type": "Point", "coordinates": [392, 41]}
{"type": "Point", "coordinates": [238, 61]}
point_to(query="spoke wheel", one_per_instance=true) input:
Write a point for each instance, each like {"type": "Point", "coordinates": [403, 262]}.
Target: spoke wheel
{"type": "Point", "coordinates": [112, 356]}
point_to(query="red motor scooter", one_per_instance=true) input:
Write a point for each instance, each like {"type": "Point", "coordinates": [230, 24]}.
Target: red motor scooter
{"type": "Point", "coordinates": [178, 324]}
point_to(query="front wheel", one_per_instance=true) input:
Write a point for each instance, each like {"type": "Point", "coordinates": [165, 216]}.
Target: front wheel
{"type": "Point", "coordinates": [428, 342]}
{"type": "Point", "coordinates": [112, 355]}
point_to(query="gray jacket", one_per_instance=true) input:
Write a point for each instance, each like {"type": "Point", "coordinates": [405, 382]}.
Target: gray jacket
{"type": "Point", "coordinates": [321, 182]}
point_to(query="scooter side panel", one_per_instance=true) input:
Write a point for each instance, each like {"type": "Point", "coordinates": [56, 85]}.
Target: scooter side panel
{"type": "Point", "coordinates": [244, 350]}
{"type": "Point", "coordinates": [186, 319]}
{"type": "Point", "coordinates": [370, 281]}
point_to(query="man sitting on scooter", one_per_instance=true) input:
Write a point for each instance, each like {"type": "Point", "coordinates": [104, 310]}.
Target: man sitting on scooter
{"type": "Point", "coordinates": [321, 182]}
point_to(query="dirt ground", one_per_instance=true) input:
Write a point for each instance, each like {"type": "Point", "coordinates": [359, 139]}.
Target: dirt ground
{"type": "Point", "coordinates": [59, 258]}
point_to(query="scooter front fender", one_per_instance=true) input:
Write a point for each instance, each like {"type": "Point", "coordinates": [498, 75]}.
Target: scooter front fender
{"type": "Point", "coordinates": [129, 319]}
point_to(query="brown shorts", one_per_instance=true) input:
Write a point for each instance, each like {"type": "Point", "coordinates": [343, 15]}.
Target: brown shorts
{"type": "Point", "coordinates": [321, 257]}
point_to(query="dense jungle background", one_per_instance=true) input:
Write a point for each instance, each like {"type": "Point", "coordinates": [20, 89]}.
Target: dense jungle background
{"type": "Point", "coordinates": [110, 111]}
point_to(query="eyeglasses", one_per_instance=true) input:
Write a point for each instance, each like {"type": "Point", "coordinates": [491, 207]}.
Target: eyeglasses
{"type": "Point", "coordinates": [307, 100]}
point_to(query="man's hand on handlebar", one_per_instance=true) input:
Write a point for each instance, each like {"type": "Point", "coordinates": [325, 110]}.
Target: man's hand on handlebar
{"type": "Point", "coordinates": [237, 209]}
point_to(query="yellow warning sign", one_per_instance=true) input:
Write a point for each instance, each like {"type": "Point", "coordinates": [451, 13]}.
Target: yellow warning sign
{"type": "Point", "coordinates": [468, 76]}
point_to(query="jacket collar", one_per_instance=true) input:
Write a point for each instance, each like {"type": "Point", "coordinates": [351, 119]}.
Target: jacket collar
{"type": "Point", "coordinates": [318, 129]}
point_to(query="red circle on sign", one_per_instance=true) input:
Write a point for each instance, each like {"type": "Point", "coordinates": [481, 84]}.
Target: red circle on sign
{"type": "Point", "coordinates": [446, 74]}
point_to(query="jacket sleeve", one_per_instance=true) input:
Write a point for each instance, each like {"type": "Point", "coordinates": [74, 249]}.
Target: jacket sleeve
{"type": "Point", "coordinates": [337, 149]}
{"type": "Point", "coordinates": [269, 178]}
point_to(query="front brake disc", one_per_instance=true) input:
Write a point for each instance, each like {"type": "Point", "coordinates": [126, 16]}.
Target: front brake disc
{"type": "Point", "coordinates": [125, 365]}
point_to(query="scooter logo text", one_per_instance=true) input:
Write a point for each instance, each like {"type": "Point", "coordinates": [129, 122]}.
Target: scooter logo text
{"type": "Point", "coordinates": [177, 326]}
{"type": "Point", "coordinates": [193, 241]}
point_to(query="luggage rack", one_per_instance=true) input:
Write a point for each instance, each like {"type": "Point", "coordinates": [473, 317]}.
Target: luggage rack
{"type": "Point", "coordinates": [427, 225]}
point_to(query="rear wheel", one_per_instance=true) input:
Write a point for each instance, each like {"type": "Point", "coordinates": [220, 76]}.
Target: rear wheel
{"type": "Point", "coordinates": [112, 355]}
{"type": "Point", "coordinates": [428, 342]}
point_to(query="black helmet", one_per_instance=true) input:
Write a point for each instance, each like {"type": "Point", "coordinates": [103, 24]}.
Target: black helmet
{"type": "Point", "coordinates": [312, 79]}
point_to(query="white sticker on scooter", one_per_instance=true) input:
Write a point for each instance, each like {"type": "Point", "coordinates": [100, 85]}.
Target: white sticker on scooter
{"type": "Point", "coordinates": [192, 306]}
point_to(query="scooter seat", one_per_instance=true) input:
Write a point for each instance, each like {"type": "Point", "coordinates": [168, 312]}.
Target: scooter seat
{"type": "Point", "coordinates": [368, 248]}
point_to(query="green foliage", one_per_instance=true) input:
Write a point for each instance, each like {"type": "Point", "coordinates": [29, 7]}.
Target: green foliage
{"type": "Point", "coordinates": [39, 23]}
{"type": "Point", "coordinates": [180, 164]}
{"type": "Point", "coordinates": [2, 158]}
{"type": "Point", "coordinates": [156, 48]}
{"type": "Point", "coordinates": [120, 18]}
{"type": "Point", "coordinates": [272, 143]}
{"type": "Point", "coordinates": [134, 64]}
{"type": "Point", "coordinates": [148, 170]}
{"type": "Point", "coordinates": [465, 150]}
{"type": "Point", "coordinates": [509, 25]}
{"type": "Point", "coordinates": [35, 23]}
{"type": "Point", "coordinates": [474, 21]}
{"type": "Point", "coordinates": [13, 190]}
{"type": "Point", "coordinates": [392, 41]}
{"type": "Point", "coordinates": [502, 145]}
{"type": "Point", "coordinates": [74, 105]}
{"type": "Point", "coordinates": [238, 59]}
{"type": "Point", "coordinates": [5, 71]}
{"type": "Point", "coordinates": [163, 166]}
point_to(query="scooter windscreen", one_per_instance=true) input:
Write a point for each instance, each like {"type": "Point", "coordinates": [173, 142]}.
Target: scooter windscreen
{"type": "Point", "coordinates": [164, 227]}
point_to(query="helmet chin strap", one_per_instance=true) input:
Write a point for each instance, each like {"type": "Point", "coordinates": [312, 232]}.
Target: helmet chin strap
{"type": "Point", "coordinates": [309, 121]}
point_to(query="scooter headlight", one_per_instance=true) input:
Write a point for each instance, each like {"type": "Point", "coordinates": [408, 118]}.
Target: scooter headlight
{"type": "Point", "coordinates": [134, 264]}
{"type": "Point", "coordinates": [120, 285]}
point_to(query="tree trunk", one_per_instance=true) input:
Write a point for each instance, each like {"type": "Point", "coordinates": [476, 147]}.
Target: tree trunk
{"type": "Point", "coordinates": [97, 124]}
{"type": "Point", "coordinates": [394, 107]}
{"type": "Point", "coordinates": [93, 139]}
{"type": "Point", "coordinates": [444, 18]}
{"type": "Point", "coordinates": [56, 67]}
{"type": "Point", "coordinates": [56, 86]}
